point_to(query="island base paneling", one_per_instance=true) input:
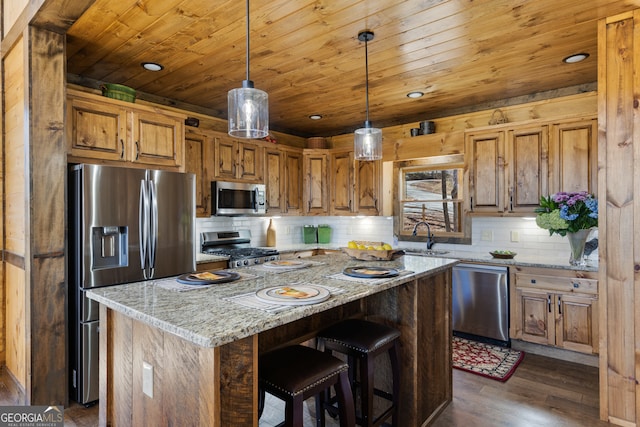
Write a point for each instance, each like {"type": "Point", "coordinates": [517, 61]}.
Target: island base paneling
{"type": "Point", "coordinates": [218, 386]}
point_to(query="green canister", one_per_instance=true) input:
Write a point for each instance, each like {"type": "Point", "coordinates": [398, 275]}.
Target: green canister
{"type": "Point", "coordinates": [310, 234]}
{"type": "Point", "coordinates": [324, 233]}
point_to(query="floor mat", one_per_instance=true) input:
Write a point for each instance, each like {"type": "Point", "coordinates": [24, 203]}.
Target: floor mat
{"type": "Point", "coordinates": [488, 360]}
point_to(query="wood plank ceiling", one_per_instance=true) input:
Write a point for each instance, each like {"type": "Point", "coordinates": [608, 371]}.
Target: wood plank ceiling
{"type": "Point", "coordinates": [305, 54]}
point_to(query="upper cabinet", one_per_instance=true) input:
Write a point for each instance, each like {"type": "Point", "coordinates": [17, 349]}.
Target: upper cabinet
{"type": "Point", "coordinates": [355, 185]}
{"type": "Point", "coordinates": [510, 168]}
{"type": "Point", "coordinates": [238, 160]}
{"type": "Point", "coordinates": [199, 149]}
{"type": "Point", "coordinates": [105, 129]}
{"type": "Point", "coordinates": [316, 185]}
{"type": "Point", "coordinates": [283, 179]}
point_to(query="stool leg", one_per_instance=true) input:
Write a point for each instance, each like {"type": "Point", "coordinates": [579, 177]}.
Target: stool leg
{"type": "Point", "coordinates": [366, 390]}
{"type": "Point", "coordinates": [345, 401]}
{"type": "Point", "coordinates": [293, 412]}
{"type": "Point", "coordinates": [320, 420]}
{"type": "Point", "coordinates": [395, 371]}
{"type": "Point", "coordinates": [261, 398]}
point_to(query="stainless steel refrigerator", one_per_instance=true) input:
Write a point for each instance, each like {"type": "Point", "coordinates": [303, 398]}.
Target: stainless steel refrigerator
{"type": "Point", "coordinates": [125, 225]}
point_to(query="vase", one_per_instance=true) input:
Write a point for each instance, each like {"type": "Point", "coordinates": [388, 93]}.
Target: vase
{"type": "Point", "coordinates": [577, 241]}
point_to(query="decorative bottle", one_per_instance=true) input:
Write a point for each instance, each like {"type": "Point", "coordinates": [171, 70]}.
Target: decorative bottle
{"type": "Point", "coordinates": [271, 234]}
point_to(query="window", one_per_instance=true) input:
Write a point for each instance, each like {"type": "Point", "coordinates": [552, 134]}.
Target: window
{"type": "Point", "coordinates": [432, 190]}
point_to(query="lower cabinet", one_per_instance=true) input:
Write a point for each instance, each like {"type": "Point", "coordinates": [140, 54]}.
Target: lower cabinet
{"type": "Point", "coordinates": [555, 307]}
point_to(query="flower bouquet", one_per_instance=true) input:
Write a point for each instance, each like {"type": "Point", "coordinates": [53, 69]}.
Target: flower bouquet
{"type": "Point", "coordinates": [572, 215]}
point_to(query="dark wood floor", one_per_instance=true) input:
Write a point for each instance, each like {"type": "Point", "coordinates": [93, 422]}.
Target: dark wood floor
{"type": "Point", "coordinates": [542, 392]}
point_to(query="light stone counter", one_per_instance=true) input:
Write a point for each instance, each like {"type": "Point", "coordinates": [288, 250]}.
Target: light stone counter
{"type": "Point", "coordinates": [203, 317]}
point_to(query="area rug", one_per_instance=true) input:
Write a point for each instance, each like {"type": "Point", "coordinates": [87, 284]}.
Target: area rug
{"type": "Point", "coordinates": [487, 360]}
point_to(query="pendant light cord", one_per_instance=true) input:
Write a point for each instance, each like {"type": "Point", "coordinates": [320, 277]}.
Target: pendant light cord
{"type": "Point", "coordinates": [248, 79]}
{"type": "Point", "coordinates": [366, 66]}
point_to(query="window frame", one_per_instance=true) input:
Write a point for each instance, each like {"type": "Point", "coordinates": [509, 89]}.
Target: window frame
{"type": "Point", "coordinates": [455, 161]}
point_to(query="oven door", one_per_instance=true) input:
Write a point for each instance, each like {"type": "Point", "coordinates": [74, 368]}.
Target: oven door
{"type": "Point", "coordinates": [236, 198]}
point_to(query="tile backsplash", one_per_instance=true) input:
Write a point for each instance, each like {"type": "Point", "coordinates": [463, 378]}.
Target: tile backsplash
{"type": "Point", "coordinates": [521, 235]}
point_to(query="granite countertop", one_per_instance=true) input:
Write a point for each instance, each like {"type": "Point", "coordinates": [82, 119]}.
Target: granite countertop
{"type": "Point", "coordinates": [204, 317]}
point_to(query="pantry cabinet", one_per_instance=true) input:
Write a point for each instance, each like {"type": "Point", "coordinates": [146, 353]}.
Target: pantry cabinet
{"type": "Point", "coordinates": [316, 182]}
{"type": "Point", "coordinates": [199, 149]}
{"type": "Point", "coordinates": [555, 307]}
{"type": "Point", "coordinates": [238, 160]}
{"type": "Point", "coordinates": [283, 180]}
{"type": "Point", "coordinates": [512, 166]}
{"type": "Point", "coordinates": [105, 129]}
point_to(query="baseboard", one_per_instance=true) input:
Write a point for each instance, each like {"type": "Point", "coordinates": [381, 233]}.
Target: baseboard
{"type": "Point", "coordinates": [15, 391]}
{"type": "Point", "coordinates": [556, 353]}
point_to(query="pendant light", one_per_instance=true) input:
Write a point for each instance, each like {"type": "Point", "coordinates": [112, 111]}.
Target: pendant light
{"type": "Point", "coordinates": [368, 140]}
{"type": "Point", "coordinates": [248, 106]}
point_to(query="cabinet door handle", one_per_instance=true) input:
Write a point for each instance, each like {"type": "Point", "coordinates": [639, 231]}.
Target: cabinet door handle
{"type": "Point", "coordinates": [549, 303]}
{"type": "Point", "coordinates": [576, 284]}
{"type": "Point", "coordinates": [122, 149]}
{"type": "Point", "coordinates": [137, 150]}
{"type": "Point", "coordinates": [559, 305]}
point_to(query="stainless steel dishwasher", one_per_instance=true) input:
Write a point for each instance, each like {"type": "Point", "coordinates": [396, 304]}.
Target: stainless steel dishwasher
{"type": "Point", "coordinates": [481, 302]}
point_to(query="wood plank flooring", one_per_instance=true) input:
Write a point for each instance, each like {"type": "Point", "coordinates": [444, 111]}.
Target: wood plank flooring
{"type": "Point", "coordinates": [542, 392]}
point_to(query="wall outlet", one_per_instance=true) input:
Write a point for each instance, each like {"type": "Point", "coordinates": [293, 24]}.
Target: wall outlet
{"type": "Point", "coordinates": [515, 236]}
{"type": "Point", "coordinates": [147, 379]}
{"type": "Point", "coordinates": [349, 230]}
{"type": "Point", "coordinates": [287, 230]}
{"type": "Point", "coordinates": [487, 235]}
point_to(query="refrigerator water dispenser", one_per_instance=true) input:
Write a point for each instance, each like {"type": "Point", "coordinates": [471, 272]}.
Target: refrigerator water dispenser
{"type": "Point", "coordinates": [109, 247]}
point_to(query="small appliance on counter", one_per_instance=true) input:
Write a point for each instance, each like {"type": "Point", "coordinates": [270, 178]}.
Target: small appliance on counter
{"type": "Point", "coordinates": [310, 234]}
{"type": "Point", "coordinates": [237, 246]}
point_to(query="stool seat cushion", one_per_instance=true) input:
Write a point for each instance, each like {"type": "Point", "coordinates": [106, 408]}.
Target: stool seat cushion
{"type": "Point", "coordinates": [360, 335]}
{"type": "Point", "coordinates": [295, 369]}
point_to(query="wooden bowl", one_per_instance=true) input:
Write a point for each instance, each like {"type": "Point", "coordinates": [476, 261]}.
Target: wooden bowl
{"type": "Point", "coordinates": [503, 256]}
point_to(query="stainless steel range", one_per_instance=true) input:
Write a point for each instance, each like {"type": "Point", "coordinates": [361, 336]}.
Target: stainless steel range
{"type": "Point", "coordinates": [237, 246]}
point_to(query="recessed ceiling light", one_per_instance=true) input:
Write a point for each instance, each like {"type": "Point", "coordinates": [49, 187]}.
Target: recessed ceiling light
{"type": "Point", "coordinates": [152, 66]}
{"type": "Point", "coordinates": [315, 116]}
{"type": "Point", "coordinates": [575, 58]}
{"type": "Point", "coordinates": [415, 94]}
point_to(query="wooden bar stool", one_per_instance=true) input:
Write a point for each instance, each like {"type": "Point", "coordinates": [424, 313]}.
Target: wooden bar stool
{"type": "Point", "coordinates": [362, 341]}
{"type": "Point", "coordinates": [296, 373]}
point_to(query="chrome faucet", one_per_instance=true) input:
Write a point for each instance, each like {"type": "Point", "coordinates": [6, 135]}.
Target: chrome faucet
{"type": "Point", "coordinates": [430, 241]}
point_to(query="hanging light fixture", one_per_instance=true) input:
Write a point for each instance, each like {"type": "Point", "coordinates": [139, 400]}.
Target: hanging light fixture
{"type": "Point", "coordinates": [248, 106]}
{"type": "Point", "coordinates": [368, 140]}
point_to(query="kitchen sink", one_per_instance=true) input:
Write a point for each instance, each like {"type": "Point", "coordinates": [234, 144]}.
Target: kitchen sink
{"type": "Point", "coordinates": [428, 252]}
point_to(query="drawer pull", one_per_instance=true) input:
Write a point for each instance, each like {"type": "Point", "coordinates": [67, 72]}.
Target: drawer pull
{"type": "Point", "coordinates": [576, 284]}
{"type": "Point", "coordinates": [533, 281]}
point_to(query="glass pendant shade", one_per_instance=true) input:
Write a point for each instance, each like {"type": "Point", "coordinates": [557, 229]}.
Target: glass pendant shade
{"type": "Point", "coordinates": [368, 143]}
{"type": "Point", "coordinates": [248, 112]}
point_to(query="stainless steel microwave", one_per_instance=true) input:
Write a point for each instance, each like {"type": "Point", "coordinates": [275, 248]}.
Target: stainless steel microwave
{"type": "Point", "coordinates": [237, 198]}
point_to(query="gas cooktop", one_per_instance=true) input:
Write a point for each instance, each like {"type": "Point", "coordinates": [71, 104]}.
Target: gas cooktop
{"type": "Point", "coordinates": [237, 246]}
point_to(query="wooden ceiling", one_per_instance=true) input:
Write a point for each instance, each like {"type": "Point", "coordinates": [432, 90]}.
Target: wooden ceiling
{"type": "Point", "coordinates": [305, 54]}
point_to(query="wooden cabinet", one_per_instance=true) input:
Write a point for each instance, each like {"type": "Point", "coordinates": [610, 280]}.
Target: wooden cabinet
{"type": "Point", "coordinates": [283, 179]}
{"type": "Point", "coordinates": [508, 169]}
{"type": "Point", "coordinates": [342, 183]}
{"type": "Point", "coordinates": [316, 182]}
{"type": "Point", "coordinates": [511, 167]}
{"type": "Point", "coordinates": [102, 128]}
{"type": "Point", "coordinates": [238, 160]}
{"type": "Point", "coordinates": [199, 149]}
{"type": "Point", "coordinates": [555, 307]}
{"type": "Point", "coordinates": [355, 185]}
{"type": "Point", "coordinates": [573, 156]}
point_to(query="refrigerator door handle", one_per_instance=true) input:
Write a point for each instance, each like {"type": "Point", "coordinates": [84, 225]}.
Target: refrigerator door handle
{"type": "Point", "coordinates": [153, 228]}
{"type": "Point", "coordinates": [143, 225]}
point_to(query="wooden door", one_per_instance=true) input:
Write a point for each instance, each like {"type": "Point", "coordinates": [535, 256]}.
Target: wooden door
{"type": "Point", "coordinates": [368, 175]}
{"type": "Point", "coordinates": [274, 181]}
{"type": "Point", "coordinates": [534, 316]}
{"type": "Point", "coordinates": [487, 171]}
{"type": "Point", "coordinates": [573, 156]}
{"type": "Point", "coordinates": [199, 161]}
{"type": "Point", "coordinates": [157, 139]}
{"type": "Point", "coordinates": [250, 162]}
{"type": "Point", "coordinates": [225, 158]}
{"type": "Point", "coordinates": [293, 182]}
{"type": "Point", "coordinates": [316, 184]}
{"type": "Point", "coordinates": [96, 130]}
{"type": "Point", "coordinates": [577, 323]}
{"type": "Point", "coordinates": [527, 157]}
{"type": "Point", "coordinates": [342, 183]}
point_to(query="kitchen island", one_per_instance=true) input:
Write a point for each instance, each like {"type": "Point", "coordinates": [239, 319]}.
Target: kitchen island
{"type": "Point", "coordinates": [190, 357]}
